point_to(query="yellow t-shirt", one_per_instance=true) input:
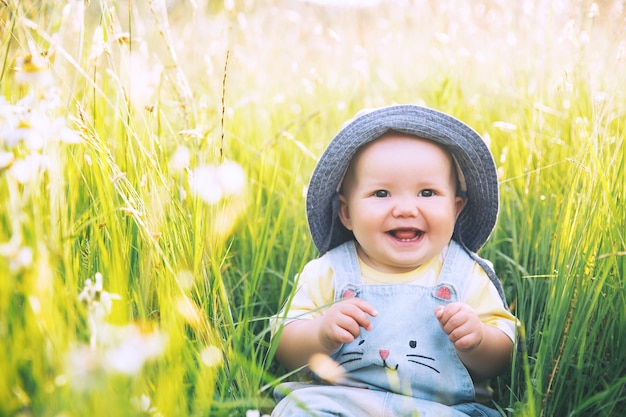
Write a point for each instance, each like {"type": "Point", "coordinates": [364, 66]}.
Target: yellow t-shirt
{"type": "Point", "coordinates": [315, 291]}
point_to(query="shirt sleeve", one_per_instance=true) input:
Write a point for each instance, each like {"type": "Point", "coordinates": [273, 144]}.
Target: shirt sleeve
{"type": "Point", "coordinates": [314, 293]}
{"type": "Point", "coordinates": [483, 297]}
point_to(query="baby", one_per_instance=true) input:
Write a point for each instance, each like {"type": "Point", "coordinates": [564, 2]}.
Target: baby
{"type": "Point", "coordinates": [398, 205]}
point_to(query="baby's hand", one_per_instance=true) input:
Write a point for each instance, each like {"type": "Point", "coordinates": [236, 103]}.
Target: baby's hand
{"type": "Point", "coordinates": [342, 322]}
{"type": "Point", "coordinates": [461, 324]}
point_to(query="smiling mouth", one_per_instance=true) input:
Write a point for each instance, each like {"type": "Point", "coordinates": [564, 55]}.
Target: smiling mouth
{"type": "Point", "coordinates": [406, 235]}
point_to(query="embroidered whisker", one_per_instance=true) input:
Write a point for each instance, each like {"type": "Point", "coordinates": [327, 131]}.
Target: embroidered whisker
{"type": "Point", "coordinates": [423, 364]}
{"type": "Point", "coordinates": [350, 360]}
{"type": "Point", "coordinates": [420, 356]}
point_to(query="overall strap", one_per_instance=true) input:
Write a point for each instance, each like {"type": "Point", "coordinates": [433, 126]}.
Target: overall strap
{"type": "Point", "coordinates": [456, 266]}
{"type": "Point", "coordinates": [485, 265]}
{"type": "Point", "coordinates": [346, 270]}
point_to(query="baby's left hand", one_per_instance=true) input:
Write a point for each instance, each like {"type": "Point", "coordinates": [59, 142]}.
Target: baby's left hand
{"type": "Point", "coordinates": [461, 324]}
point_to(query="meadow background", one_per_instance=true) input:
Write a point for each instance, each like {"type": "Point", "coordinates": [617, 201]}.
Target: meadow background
{"type": "Point", "coordinates": [153, 162]}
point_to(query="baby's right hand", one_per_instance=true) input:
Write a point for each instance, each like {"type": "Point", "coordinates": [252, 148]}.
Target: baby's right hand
{"type": "Point", "coordinates": [342, 322]}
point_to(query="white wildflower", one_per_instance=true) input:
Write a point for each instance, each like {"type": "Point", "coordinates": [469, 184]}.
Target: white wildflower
{"type": "Point", "coordinates": [231, 177]}
{"type": "Point", "coordinates": [22, 129]}
{"type": "Point", "coordinates": [99, 303]}
{"type": "Point", "coordinates": [144, 404]}
{"type": "Point", "coordinates": [24, 257]}
{"type": "Point", "coordinates": [123, 350]}
{"type": "Point", "coordinates": [19, 257]}
{"type": "Point", "coordinates": [57, 130]}
{"type": "Point", "coordinates": [28, 122]}
{"type": "Point", "coordinates": [67, 135]}
{"type": "Point", "coordinates": [33, 70]}
{"type": "Point", "coordinates": [83, 368]}
{"type": "Point", "coordinates": [6, 159]}
{"type": "Point", "coordinates": [189, 311]}
{"type": "Point", "coordinates": [128, 348]}
{"type": "Point", "coordinates": [180, 159]}
{"type": "Point", "coordinates": [229, 5]}
{"type": "Point", "coordinates": [211, 356]}
{"type": "Point", "coordinates": [205, 184]}
{"type": "Point", "coordinates": [212, 183]}
{"type": "Point", "coordinates": [98, 300]}
{"type": "Point", "coordinates": [144, 77]}
{"type": "Point", "coordinates": [35, 304]}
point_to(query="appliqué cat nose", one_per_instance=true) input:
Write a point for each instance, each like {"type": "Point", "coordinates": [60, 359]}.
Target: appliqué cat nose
{"type": "Point", "coordinates": [349, 293]}
{"type": "Point", "coordinates": [384, 354]}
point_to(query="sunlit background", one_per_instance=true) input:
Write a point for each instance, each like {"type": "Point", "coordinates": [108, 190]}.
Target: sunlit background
{"type": "Point", "coordinates": [154, 157]}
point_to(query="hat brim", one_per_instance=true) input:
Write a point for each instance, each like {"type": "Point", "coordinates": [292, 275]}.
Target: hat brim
{"type": "Point", "coordinates": [472, 154]}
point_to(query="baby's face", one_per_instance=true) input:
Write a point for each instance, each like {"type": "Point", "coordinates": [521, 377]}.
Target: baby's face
{"type": "Point", "coordinates": [399, 199]}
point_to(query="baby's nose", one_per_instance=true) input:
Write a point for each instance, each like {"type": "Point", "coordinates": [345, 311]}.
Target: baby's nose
{"type": "Point", "coordinates": [384, 353]}
{"type": "Point", "coordinates": [405, 207]}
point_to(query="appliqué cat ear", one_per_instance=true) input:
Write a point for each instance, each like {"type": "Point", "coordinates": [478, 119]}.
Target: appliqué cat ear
{"type": "Point", "coordinates": [444, 292]}
{"type": "Point", "coordinates": [349, 293]}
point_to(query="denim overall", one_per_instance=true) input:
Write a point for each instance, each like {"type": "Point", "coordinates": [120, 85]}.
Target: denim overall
{"type": "Point", "coordinates": [404, 366]}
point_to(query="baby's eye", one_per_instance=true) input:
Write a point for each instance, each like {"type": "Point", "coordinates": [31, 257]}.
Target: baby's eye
{"type": "Point", "coordinates": [427, 193]}
{"type": "Point", "coordinates": [381, 193]}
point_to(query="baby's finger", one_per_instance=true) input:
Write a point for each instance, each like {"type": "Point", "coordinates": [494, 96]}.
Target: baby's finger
{"type": "Point", "coordinates": [347, 330]}
{"type": "Point", "coordinates": [365, 306]}
{"type": "Point", "coordinates": [444, 313]}
{"type": "Point", "coordinates": [360, 311]}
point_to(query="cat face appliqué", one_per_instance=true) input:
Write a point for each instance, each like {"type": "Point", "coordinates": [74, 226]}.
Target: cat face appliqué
{"type": "Point", "coordinates": [388, 359]}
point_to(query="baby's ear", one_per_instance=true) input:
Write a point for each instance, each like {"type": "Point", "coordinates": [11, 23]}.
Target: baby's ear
{"type": "Point", "coordinates": [459, 203]}
{"type": "Point", "coordinates": [344, 212]}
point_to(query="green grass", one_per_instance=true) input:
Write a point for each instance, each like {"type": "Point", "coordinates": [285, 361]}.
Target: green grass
{"type": "Point", "coordinates": [266, 85]}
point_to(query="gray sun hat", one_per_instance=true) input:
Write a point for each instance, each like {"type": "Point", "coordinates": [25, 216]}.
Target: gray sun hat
{"type": "Point", "coordinates": [468, 149]}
